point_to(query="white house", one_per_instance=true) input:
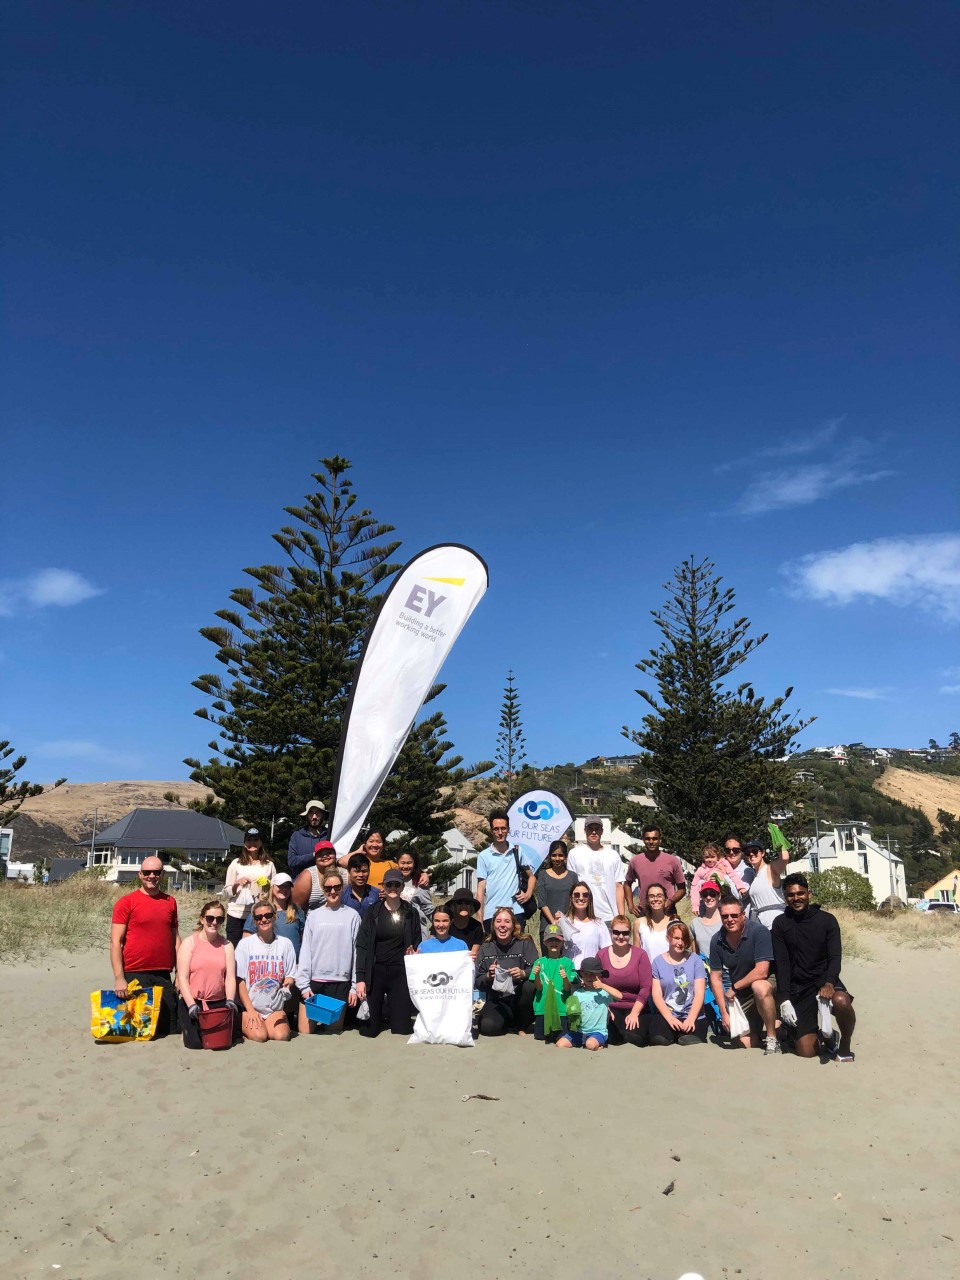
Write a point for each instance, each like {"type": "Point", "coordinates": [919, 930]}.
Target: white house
{"type": "Point", "coordinates": [850, 844]}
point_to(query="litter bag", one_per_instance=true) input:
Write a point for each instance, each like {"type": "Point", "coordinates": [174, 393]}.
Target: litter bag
{"type": "Point", "coordinates": [824, 1018]}
{"type": "Point", "coordinates": [739, 1024]}
{"type": "Point", "coordinates": [117, 1021]}
{"type": "Point", "coordinates": [441, 988]}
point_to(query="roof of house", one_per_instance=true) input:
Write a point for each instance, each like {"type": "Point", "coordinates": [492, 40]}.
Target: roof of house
{"type": "Point", "coordinates": [64, 868]}
{"type": "Point", "coordinates": [169, 829]}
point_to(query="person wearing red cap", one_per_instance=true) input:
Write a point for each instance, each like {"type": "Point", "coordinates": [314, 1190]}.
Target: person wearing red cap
{"type": "Point", "coordinates": [308, 887]}
{"type": "Point", "coordinates": [708, 923]}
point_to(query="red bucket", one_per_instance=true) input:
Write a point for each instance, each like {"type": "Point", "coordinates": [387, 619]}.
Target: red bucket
{"type": "Point", "coordinates": [216, 1028]}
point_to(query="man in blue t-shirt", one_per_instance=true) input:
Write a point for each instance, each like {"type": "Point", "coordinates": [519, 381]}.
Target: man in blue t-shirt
{"type": "Point", "coordinates": [498, 882]}
{"type": "Point", "coordinates": [741, 957]}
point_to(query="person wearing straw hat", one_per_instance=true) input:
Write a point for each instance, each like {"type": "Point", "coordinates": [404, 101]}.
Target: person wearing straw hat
{"type": "Point", "coordinates": [303, 841]}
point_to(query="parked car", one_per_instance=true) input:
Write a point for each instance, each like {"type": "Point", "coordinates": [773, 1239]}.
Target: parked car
{"type": "Point", "coordinates": [922, 904]}
{"type": "Point", "coordinates": [943, 906]}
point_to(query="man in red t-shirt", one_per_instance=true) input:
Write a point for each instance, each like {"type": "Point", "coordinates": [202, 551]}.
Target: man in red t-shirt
{"type": "Point", "coordinates": [144, 940]}
{"type": "Point", "coordinates": [654, 866]}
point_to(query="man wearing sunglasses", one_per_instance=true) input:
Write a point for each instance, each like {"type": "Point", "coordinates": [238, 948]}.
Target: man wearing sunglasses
{"type": "Point", "coordinates": [741, 956]}
{"type": "Point", "coordinates": [144, 941]}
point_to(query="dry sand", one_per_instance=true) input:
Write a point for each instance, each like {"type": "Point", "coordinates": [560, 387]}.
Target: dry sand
{"type": "Point", "coordinates": [926, 791]}
{"type": "Point", "coordinates": [325, 1157]}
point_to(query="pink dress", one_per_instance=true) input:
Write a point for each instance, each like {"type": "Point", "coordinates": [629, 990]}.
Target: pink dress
{"type": "Point", "coordinates": [722, 871]}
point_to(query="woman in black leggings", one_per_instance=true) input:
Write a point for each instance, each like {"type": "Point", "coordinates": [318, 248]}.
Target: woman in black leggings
{"type": "Point", "coordinates": [389, 930]}
{"type": "Point", "coordinates": [503, 974]}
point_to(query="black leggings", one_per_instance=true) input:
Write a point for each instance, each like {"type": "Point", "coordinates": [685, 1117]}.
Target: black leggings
{"type": "Point", "coordinates": [513, 1013]}
{"type": "Point", "coordinates": [235, 929]}
{"type": "Point", "coordinates": [662, 1033]}
{"type": "Point", "coordinates": [620, 1033]}
{"type": "Point", "coordinates": [389, 980]}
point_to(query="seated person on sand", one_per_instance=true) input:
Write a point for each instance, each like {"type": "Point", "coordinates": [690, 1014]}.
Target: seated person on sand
{"type": "Point", "coordinates": [740, 958]}
{"type": "Point", "coordinates": [266, 966]}
{"type": "Point", "coordinates": [594, 997]}
{"type": "Point", "coordinates": [679, 986]}
{"type": "Point", "coordinates": [808, 953]}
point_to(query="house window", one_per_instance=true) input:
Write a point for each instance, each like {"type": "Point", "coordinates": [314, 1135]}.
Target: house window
{"type": "Point", "coordinates": [864, 870]}
{"type": "Point", "coordinates": [849, 840]}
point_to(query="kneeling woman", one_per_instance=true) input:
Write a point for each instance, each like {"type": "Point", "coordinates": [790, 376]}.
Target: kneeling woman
{"type": "Point", "coordinates": [504, 963]}
{"type": "Point", "coordinates": [389, 930]}
{"type": "Point", "coordinates": [206, 972]}
{"type": "Point", "coordinates": [679, 984]}
{"type": "Point", "coordinates": [266, 967]}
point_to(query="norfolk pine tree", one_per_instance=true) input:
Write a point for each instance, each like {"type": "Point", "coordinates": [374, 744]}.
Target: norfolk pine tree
{"type": "Point", "coordinates": [290, 648]}
{"type": "Point", "coordinates": [511, 742]}
{"type": "Point", "coordinates": [711, 749]}
{"type": "Point", "coordinates": [13, 793]}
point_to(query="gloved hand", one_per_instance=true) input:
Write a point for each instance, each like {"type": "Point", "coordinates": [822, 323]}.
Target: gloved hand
{"type": "Point", "coordinates": [232, 1005]}
{"type": "Point", "coordinates": [788, 1013]}
{"type": "Point", "coordinates": [193, 1013]}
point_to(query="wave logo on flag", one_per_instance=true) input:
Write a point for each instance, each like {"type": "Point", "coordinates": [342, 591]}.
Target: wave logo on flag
{"type": "Point", "coordinates": [537, 818]}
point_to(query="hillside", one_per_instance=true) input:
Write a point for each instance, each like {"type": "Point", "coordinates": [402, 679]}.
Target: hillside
{"type": "Point", "coordinates": [926, 791]}
{"type": "Point", "coordinates": [72, 806]}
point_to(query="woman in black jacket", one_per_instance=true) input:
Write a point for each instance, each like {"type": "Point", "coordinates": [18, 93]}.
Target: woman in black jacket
{"type": "Point", "coordinates": [503, 974]}
{"type": "Point", "coordinates": [389, 930]}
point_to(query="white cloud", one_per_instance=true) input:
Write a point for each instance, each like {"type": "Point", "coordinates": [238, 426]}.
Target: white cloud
{"type": "Point", "coordinates": [799, 486]}
{"type": "Point", "coordinates": [921, 571]}
{"type": "Point", "coordinates": [794, 446]}
{"type": "Point", "coordinates": [46, 587]}
{"type": "Point", "coordinates": [950, 688]}
{"type": "Point", "coordinates": [74, 749]}
{"type": "Point", "coordinates": [867, 695]}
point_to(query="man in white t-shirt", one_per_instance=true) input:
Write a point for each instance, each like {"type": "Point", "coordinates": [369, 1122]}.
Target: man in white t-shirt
{"type": "Point", "coordinates": [602, 869]}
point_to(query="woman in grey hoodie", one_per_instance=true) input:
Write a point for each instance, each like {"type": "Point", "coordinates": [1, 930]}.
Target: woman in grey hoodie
{"type": "Point", "coordinates": [328, 964]}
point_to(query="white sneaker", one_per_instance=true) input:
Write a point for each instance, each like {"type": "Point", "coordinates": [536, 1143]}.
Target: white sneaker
{"type": "Point", "coordinates": [771, 1045]}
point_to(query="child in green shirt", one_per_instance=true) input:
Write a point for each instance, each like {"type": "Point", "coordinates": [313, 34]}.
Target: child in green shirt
{"type": "Point", "coordinates": [553, 976]}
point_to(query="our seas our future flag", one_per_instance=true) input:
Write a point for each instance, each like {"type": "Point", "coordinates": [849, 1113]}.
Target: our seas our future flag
{"type": "Point", "coordinates": [537, 818]}
{"type": "Point", "coordinates": [420, 616]}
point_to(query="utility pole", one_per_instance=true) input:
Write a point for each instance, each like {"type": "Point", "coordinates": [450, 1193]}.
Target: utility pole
{"type": "Point", "coordinates": [93, 838]}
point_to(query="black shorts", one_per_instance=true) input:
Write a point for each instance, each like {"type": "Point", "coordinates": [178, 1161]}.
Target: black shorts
{"type": "Point", "coordinates": [808, 1014]}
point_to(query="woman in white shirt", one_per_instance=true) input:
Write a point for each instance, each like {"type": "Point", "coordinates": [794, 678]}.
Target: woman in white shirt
{"type": "Point", "coordinates": [652, 924]}
{"type": "Point", "coordinates": [243, 885]}
{"type": "Point", "coordinates": [584, 934]}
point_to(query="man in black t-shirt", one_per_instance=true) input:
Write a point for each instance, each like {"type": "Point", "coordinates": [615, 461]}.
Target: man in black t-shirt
{"type": "Point", "coordinates": [462, 907]}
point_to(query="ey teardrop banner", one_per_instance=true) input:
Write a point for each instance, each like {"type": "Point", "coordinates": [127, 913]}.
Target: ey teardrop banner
{"type": "Point", "coordinates": [536, 819]}
{"type": "Point", "coordinates": [420, 616]}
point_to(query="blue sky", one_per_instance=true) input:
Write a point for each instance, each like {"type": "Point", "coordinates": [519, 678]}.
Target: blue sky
{"type": "Point", "coordinates": [589, 288]}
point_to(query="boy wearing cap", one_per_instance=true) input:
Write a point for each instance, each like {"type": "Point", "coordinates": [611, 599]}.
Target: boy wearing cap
{"type": "Point", "coordinates": [595, 998]}
{"type": "Point", "coordinates": [553, 972]}
{"type": "Point", "coordinates": [303, 841]}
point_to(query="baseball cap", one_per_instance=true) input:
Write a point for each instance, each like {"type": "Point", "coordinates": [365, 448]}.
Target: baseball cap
{"type": "Point", "coordinates": [710, 886]}
{"type": "Point", "coordinates": [552, 931]}
{"type": "Point", "coordinates": [393, 876]}
{"type": "Point", "coordinates": [753, 844]}
{"type": "Point", "coordinates": [322, 845]}
{"type": "Point", "coordinates": [593, 822]}
{"type": "Point", "coordinates": [252, 833]}
{"type": "Point", "coordinates": [282, 878]}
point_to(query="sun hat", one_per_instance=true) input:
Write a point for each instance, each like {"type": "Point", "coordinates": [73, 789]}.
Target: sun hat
{"type": "Point", "coordinates": [590, 964]}
{"type": "Point", "coordinates": [314, 804]}
{"type": "Point", "coordinates": [282, 878]}
{"type": "Point", "coordinates": [464, 895]}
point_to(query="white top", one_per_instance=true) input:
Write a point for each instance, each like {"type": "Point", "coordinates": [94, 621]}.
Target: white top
{"type": "Point", "coordinates": [239, 904]}
{"type": "Point", "coordinates": [766, 902]}
{"type": "Point", "coordinates": [263, 966]}
{"type": "Point", "coordinates": [602, 869]}
{"type": "Point", "coordinates": [588, 938]}
{"type": "Point", "coordinates": [653, 941]}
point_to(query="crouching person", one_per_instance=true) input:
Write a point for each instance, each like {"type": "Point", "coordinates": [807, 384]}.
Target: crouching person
{"type": "Point", "coordinates": [808, 952]}
{"type": "Point", "coordinates": [741, 955]}
{"type": "Point", "coordinates": [328, 964]}
{"type": "Point", "coordinates": [266, 967]}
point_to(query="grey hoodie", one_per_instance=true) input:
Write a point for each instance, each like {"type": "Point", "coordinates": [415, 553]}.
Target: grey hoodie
{"type": "Point", "coordinates": [328, 952]}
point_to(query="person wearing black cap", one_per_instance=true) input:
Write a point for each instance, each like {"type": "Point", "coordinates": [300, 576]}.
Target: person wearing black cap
{"type": "Point", "coordinates": [595, 998]}
{"type": "Point", "coordinates": [463, 907]}
{"type": "Point", "coordinates": [766, 892]}
{"type": "Point", "coordinates": [248, 879]}
{"type": "Point", "coordinates": [389, 930]}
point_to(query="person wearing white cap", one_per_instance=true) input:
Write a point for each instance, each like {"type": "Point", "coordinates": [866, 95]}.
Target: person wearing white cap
{"type": "Point", "coordinates": [303, 842]}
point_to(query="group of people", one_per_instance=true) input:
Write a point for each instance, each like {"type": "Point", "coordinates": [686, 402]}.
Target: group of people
{"type": "Point", "coordinates": [615, 964]}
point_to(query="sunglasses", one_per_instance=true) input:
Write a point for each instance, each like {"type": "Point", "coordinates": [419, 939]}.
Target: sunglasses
{"type": "Point", "coordinates": [260, 919]}
{"type": "Point", "coordinates": [730, 915]}
{"type": "Point", "coordinates": [619, 933]}
{"type": "Point", "coordinates": [213, 919]}
{"type": "Point", "coordinates": [157, 874]}
{"type": "Point", "coordinates": [735, 849]}
{"type": "Point", "coordinates": [708, 893]}
{"type": "Point", "coordinates": [332, 888]}
{"type": "Point", "coordinates": [579, 895]}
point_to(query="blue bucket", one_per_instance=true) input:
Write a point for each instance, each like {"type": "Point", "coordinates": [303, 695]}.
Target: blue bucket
{"type": "Point", "coordinates": [323, 1009]}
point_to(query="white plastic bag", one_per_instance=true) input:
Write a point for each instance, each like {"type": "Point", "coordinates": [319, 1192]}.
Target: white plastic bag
{"type": "Point", "coordinates": [441, 988]}
{"type": "Point", "coordinates": [566, 928]}
{"type": "Point", "coordinates": [739, 1024]}
{"type": "Point", "coordinates": [824, 1018]}
{"type": "Point", "coordinates": [363, 1011]}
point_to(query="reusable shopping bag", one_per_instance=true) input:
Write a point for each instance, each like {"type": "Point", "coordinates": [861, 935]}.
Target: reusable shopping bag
{"type": "Point", "coordinates": [116, 1021]}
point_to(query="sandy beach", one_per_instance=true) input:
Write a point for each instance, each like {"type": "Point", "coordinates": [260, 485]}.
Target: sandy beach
{"type": "Point", "coordinates": [328, 1156]}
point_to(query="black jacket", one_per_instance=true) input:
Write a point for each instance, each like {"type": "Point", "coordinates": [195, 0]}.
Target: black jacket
{"type": "Point", "coordinates": [367, 937]}
{"type": "Point", "coordinates": [806, 949]}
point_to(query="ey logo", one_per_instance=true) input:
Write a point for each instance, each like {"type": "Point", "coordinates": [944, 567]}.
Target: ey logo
{"type": "Point", "coordinates": [425, 600]}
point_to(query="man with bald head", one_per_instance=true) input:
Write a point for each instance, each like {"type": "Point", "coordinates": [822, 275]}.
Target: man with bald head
{"type": "Point", "coordinates": [144, 940]}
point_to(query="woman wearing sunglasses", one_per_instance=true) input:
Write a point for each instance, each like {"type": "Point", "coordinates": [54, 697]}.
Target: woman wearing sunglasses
{"type": "Point", "coordinates": [584, 933]}
{"type": "Point", "coordinates": [328, 964]}
{"type": "Point", "coordinates": [206, 972]}
{"type": "Point", "coordinates": [266, 967]}
{"type": "Point", "coordinates": [629, 971]}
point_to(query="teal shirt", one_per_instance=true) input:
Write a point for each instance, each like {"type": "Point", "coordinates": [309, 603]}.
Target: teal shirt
{"type": "Point", "coordinates": [594, 1005]}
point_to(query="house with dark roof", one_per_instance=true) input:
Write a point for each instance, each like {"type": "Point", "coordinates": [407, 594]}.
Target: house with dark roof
{"type": "Point", "coordinates": [120, 848]}
{"type": "Point", "coordinates": [63, 868]}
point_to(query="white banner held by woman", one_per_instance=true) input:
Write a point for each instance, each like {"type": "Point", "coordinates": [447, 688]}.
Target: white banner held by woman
{"type": "Point", "coordinates": [441, 987]}
{"type": "Point", "coordinates": [537, 818]}
{"type": "Point", "coordinates": [420, 616]}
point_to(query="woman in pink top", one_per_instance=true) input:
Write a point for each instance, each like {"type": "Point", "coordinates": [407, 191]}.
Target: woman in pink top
{"type": "Point", "coordinates": [713, 866]}
{"type": "Point", "coordinates": [630, 973]}
{"type": "Point", "coordinates": [206, 972]}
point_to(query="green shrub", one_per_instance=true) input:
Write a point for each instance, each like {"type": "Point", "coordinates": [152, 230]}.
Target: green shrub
{"type": "Point", "coordinates": [841, 887]}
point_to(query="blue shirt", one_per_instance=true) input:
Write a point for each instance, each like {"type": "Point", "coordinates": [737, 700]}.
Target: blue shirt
{"type": "Point", "coordinates": [594, 1003]}
{"type": "Point", "coordinates": [499, 870]}
{"type": "Point", "coordinates": [434, 944]}
{"type": "Point", "coordinates": [360, 905]}
{"type": "Point", "coordinates": [301, 847]}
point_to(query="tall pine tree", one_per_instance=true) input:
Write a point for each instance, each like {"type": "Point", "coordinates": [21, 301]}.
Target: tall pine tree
{"type": "Point", "coordinates": [511, 742]}
{"type": "Point", "coordinates": [12, 792]}
{"type": "Point", "coordinates": [711, 749]}
{"type": "Point", "coordinates": [290, 648]}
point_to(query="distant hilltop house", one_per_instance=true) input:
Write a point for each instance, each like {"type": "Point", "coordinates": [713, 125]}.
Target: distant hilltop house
{"type": "Point", "coordinates": [120, 848]}
{"type": "Point", "coordinates": [612, 762]}
{"type": "Point", "coordinates": [850, 844]}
